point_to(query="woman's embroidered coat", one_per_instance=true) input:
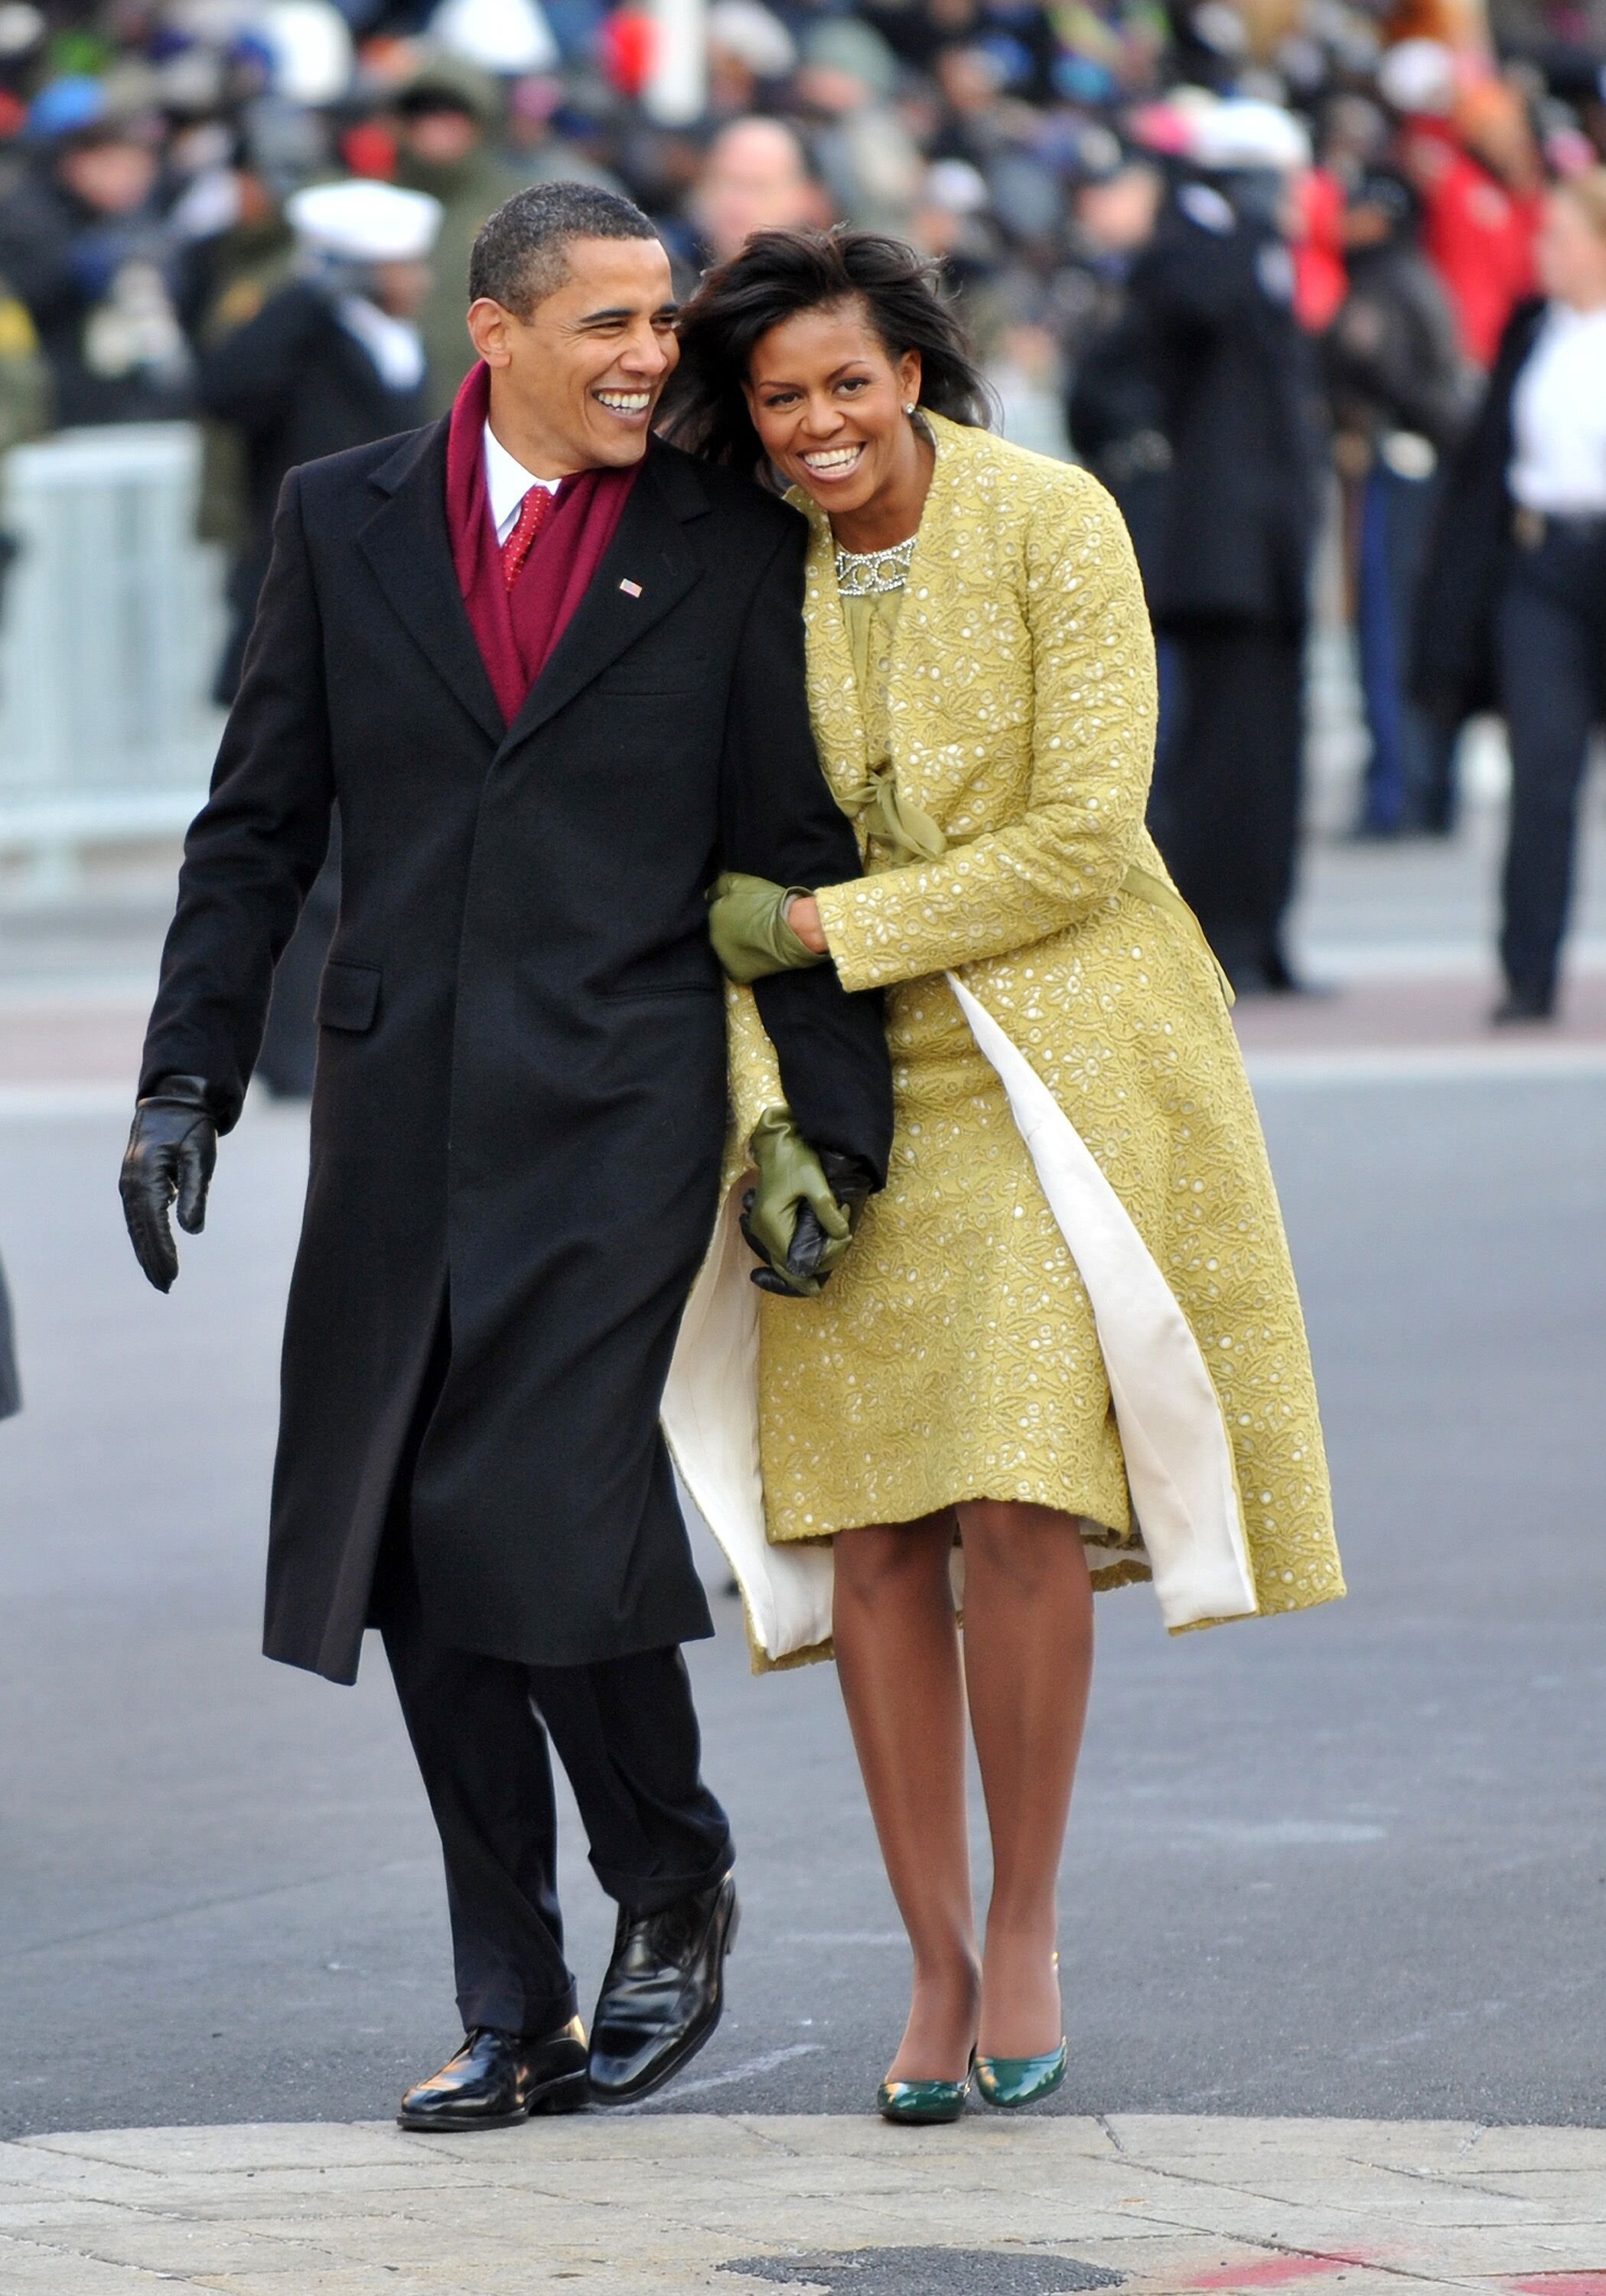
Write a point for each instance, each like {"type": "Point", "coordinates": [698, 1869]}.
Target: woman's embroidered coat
{"type": "Point", "coordinates": [1021, 701]}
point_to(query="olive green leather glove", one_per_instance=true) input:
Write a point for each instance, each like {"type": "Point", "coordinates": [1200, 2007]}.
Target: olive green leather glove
{"type": "Point", "coordinates": [751, 939]}
{"type": "Point", "coordinates": [801, 1215]}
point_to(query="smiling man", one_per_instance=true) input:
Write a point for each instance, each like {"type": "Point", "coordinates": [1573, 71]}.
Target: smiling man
{"type": "Point", "coordinates": [552, 672]}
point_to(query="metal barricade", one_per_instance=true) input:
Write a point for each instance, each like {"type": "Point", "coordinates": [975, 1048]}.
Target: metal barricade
{"type": "Point", "coordinates": [114, 621]}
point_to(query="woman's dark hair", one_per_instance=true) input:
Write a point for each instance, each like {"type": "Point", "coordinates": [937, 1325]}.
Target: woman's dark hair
{"type": "Point", "coordinates": [779, 274]}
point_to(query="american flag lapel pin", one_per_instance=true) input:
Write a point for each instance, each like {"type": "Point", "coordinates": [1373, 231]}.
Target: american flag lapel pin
{"type": "Point", "coordinates": [631, 589]}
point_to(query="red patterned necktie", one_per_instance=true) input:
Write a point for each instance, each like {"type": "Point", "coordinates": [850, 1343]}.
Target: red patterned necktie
{"type": "Point", "coordinates": [532, 517]}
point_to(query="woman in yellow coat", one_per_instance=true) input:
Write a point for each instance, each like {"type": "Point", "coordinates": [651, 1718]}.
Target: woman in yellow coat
{"type": "Point", "coordinates": [1065, 1340]}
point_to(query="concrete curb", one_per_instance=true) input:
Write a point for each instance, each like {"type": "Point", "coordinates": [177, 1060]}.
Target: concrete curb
{"type": "Point", "coordinates": [836, 2205]}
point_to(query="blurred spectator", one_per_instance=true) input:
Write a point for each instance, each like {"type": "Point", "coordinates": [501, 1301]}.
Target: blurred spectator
{"type": "Point", "coordinates": [870, 162]}
{"type": "Point", "coordinates": [335, 358]}
{"type": "Point", "coordinates": [1402, 396]}
{"type": "Point", "coordinates": [1116, 408]}
{"type": "Point", "coordinates": [447, 116]}
{"type": "Point", "coordinates": [26, 402]}
{"type": "Point", "coordinates": [750, 55]}
{"type": "Point", "coordinates": [1232, 567]}
{"type": "Point", "coordinates": [11, 1386]}
{"type": "Point", "coordinates": [1517, 579]}
{"type": "Point", "coordinates": [25, 411]}
{"type": "Point", "coordinates": [84, 244]}
{"type": "Point", "coordinates": [757, 177]}
{"type": "Point", "coordinates": [1320, 277]}
{"type": "Point", "coordinates": [1471, 154]}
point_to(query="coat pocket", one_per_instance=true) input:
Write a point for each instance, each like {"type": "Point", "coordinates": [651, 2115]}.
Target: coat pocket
{"type": "Point", "coordinates": [349, 997]}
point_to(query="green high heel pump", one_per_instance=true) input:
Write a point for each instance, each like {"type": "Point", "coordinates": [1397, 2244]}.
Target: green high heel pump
{"type": "Point", "coordinates": [1009, 2082]}
{"type": "Point", "coordinates": [923, 2104]}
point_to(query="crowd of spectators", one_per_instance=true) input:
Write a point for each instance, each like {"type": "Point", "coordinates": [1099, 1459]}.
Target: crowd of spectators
{"type": "Point", "coordinates": [1248, 258]}
{"type": "Point", "coordinates": [147, 148]}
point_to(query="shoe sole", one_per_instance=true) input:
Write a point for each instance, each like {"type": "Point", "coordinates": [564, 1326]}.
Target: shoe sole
{"type": "Point", "coordinates": [569, 2093]}
{"type": "Point", "coordinates": [698, 2038]}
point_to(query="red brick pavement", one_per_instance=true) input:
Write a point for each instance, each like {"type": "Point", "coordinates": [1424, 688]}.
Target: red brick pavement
{"type": "Point", "coordinates": [1404, 1015]}
{"type": "Point", "coordinates": [47, 1041]}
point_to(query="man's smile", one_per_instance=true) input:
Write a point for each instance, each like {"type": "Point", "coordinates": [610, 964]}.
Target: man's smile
{"type": "Point", "coordinates": [631, 405]}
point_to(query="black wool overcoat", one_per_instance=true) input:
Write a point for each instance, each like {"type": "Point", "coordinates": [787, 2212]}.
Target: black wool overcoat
{"type": "Point", "coordinates": [1240, 393]}
{"type": "Point", "coordinates": [1452, 648]}
{"type": "Point", "coordinates": [520, 1097]}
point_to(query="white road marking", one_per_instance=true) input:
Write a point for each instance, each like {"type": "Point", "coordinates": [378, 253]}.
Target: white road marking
{"type": "Point", "coordinates": [750, 2070]}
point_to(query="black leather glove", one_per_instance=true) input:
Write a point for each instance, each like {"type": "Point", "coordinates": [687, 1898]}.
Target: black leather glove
{"type": "Point", "coordinates": [172, 1148]}
{"type": "Point", "coordinates": [800, 1218]}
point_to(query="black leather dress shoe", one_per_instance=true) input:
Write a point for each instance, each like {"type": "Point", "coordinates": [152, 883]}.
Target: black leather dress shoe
{"type": "Point", "coordinates": [1522, 1004]}
{"type": "Point", "coordinates": [498, 2079]}
{"type": "Point", "coordinates": [663, 1993]}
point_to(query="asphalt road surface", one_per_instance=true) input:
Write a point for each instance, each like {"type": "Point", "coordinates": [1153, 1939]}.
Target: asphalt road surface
{"type": "Point", "coordinates": [1353, 1863]}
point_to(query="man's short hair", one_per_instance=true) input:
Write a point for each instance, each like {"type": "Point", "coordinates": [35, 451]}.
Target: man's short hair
{"type": "Point", "coordinates": [522, 255]}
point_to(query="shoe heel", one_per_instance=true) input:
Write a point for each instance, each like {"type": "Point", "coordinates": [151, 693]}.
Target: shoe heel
{"type": "Point", "coordinates": [1010, 2082]}
{"type": "Point", "coordinates": [571, 2094]}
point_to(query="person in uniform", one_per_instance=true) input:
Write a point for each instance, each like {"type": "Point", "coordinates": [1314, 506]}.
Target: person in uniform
{"type": "Point", "coordinates": [552, 673]}
{"type": "Point", "coordinates": [1228, 573]}
{"type": "Point", "coordinates": [1067, 1337]}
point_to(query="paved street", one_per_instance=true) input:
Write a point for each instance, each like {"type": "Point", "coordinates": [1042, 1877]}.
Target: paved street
{"type": "Point", "coordinates": [1350, 1865]}
{"type": "Point", "coordinates": [1347, 1864]}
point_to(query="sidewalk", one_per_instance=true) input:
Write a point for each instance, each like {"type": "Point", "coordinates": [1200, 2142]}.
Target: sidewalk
{"type": "Point", "coordinates": [655, 2202]}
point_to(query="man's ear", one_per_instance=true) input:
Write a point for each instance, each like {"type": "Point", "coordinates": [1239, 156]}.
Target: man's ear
{"type": "Point", "coordinates": [490, 330]}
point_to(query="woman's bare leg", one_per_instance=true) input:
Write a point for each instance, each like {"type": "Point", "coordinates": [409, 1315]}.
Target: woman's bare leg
{"type": "Point", "coordinates": [898, 1655]}
{"type": "Point", "coordinates": [1029, 1662]}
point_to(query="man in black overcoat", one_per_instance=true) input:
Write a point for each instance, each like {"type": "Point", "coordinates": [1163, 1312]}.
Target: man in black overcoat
{"type": "Point", "coordinates": [517, 1119]}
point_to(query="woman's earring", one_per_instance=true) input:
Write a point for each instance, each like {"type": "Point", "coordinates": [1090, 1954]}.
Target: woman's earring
{"type": "Point", "coordinates": [909, 407]}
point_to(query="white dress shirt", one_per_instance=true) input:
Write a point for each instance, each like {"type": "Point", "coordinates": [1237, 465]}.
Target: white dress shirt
{"type": "Point", "coordinates": [1559, 418]}
{"type": "Point", "coordinates": [506, 484]}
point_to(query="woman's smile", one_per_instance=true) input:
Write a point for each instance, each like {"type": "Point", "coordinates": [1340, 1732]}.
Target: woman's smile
{"type": "Point", "coordinates": [834, 462]}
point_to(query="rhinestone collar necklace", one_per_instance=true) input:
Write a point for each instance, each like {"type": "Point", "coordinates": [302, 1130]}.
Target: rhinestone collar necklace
{"type": "Point", "coordinates": [872, 573]}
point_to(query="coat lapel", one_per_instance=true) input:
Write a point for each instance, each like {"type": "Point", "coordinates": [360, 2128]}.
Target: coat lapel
{"type": "Point", "coordinates": [648, 552]}
{"type": "Point", "coordinates": [407, 544]}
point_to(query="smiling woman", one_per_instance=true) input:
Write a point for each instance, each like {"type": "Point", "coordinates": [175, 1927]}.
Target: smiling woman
{"type": "Point", "coordinates": [834, 281]}
{"type": "Point", "coordinates": [1066, 1338]}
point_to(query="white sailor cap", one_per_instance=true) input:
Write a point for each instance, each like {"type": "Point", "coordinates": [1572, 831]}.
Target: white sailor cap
{"type": "Point", "coordinates": [365, 221]}
{"type": "Point", "coordinates": [1245, 132]}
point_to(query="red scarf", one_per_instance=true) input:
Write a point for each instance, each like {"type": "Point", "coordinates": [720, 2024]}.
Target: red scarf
{"type": "Point", "coordinates": [517, 630]}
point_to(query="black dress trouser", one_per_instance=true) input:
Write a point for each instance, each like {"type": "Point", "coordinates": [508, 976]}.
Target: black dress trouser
{"type": "Point", "coordinates": [626, 1731]}
{"type": "Point", "coordinates": [1226, 812]}
{"type": "Point", "coordinates": [1552, 659]}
